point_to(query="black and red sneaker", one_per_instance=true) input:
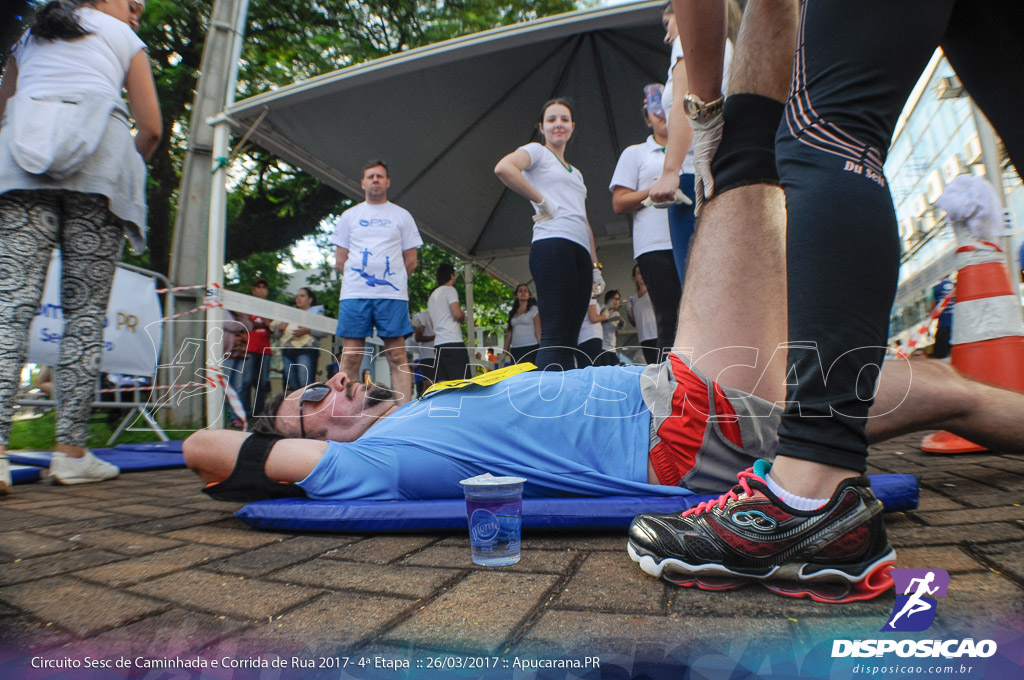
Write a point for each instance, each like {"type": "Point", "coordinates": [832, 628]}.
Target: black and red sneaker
{"type": "Point", "coordinates": [836, 553]}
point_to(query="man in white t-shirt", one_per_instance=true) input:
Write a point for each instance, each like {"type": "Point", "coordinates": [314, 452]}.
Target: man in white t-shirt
{"type": "Point", "coordinates": [382, 239]}
{"type": "Point", "coordinates": [450, 355]}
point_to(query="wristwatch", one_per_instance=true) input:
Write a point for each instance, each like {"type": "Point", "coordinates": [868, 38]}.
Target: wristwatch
{"type": "Point", "coordinates": [700, 112]}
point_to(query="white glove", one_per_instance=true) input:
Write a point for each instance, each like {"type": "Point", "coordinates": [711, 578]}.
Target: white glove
{"type": "Point", "coordinates": [545, 211]}
{"type": "Point", "coordinates": [598, 286]}
{"type": "Point", "coordinates": [680, 198]}
{"type": "Point", "coordinates": [706, 138]}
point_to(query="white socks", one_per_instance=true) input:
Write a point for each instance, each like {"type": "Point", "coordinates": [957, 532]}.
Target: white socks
{"type": "Point", "coordinates": [791, 499]}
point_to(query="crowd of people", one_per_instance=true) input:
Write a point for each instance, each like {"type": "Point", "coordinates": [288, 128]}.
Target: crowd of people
{"type": "Point", "coordinates": [755, 214]}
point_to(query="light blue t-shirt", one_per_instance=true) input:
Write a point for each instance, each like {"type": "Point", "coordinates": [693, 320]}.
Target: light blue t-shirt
{"type": "Point", "coordinates": [582, 432]}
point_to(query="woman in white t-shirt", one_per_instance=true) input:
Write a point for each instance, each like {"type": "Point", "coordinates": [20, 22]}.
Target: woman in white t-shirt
{"type": "Point", "coordinates": [563, 258]}
{"type": "Point", "coordinates": [71, 176]}
{"type": "Point", "coordinates": [522, 337]}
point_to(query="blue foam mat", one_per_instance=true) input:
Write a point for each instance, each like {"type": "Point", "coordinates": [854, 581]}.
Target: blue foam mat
{"type": "Point", "coordinates": [173, 446]}
{"type": "Point", "coordinates": [25, 474]}
{"type": "Point", "coordinates": [897, 493]}
{"type": "Point", "coordinates": [128, 461]}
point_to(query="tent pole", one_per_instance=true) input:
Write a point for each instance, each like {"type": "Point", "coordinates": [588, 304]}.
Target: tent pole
{"type": "Point", "coordinates": [215, 264]}
{"type": "Point", "coordinates": [470, 326]}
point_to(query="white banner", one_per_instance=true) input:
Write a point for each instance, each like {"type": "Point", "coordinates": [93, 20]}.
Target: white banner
{"type": "Point", "coordinates": [127, 346]}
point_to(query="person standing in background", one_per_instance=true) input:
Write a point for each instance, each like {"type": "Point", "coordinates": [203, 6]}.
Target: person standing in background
{"type": "Point", "coordinates": [563, 257]}
{"type": "Point", "coordinates": [451, 355]}
{"type": "Point", "coordinates": [641, 315]}
{"type": "Point", "coordinates": [300, 350]}
{"type": "Point", "coordinates": [522, 336]}
{"type": "Point", "coordinates": [71, 176]}
{"type": "Point", "coordinates": [375, 251]}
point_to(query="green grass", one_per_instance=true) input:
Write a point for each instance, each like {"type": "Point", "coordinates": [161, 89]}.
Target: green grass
{"type": "Point", "coordinates": [35, 434]}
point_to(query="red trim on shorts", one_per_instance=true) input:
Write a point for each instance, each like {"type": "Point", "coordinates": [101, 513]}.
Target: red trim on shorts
{"type": "Point", "coordinates": [682, 433]}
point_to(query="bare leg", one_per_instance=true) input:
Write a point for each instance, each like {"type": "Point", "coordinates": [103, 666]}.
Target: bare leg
{"type": "Point", "coordinates": [352, 357]}
{"type": "Point", "coordinates": [211, 454]}
{"type": "Point", "coordinates": [401, 378]}
{"type": "Point", "coordinates": [733, 311]}
{"type": "Point", "coordinates": [925, 394]}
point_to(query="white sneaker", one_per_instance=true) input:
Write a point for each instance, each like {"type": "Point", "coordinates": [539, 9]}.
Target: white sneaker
{"type": "Point", "coordinates": [67, 470]}
{"type": "Point", "coordinates": [5, 476]}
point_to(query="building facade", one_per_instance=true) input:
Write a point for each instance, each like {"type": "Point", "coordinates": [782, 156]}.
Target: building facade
{"type": "Point", "coordinates": [941, 134]}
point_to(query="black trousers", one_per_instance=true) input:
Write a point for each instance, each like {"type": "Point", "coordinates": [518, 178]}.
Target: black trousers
{"type": "Point", "coordinates": [855, 66]}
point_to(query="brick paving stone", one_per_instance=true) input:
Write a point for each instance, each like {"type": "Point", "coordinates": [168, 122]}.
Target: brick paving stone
{"type": "Point", "coordinates": [974, 516]}
{"type": "Point", "coordinates": [81, 608]}
{"type": "Point", "coordinates": [167, 635]}
{"type": "Point", "coordinates": [460, 557]}
{"type": "Point", "coordinates": [1007, 558]}
{"type": "Point", "coordinates": [125, 542]}
{"type": "Point", "coordinates": [277, 555]}
{"type": "Point", "coordinates": [327, 624]}
{"type": "Point", "coordinates": [12, 520]}
{"type": "Point", "coordinates": [607, 581]}
{"type": "Point", "coordinates": [22, 544]}
{"type": "Point", "coordinates": [564, 633]}
{"type": "Point", "coordinates": [757, 601]}
{"type": "Point", "coordinates": [381, 549]}
{"type": "Point", "coordinates": [51, 565]}
{"type": "Point", "coordinates": [477, 615]}
{"type": "Point", "coordinates": [1014, 464]}
{"type": "Point", "coordinates": [577, 541]}
{"type": "Point", "coordinates": [151, 510]}
{"type": "Point", "coordinates": [225, 594]}
{"type": "Point", "coordinates": [930, 500]}
{"type": "Point", "coordinates": [71, 528]}
{"type": "Point", "coordinates": [130, 572]}
{"type": "Point", "coordinates": [63, 512]}
{"type": "Point", "coordinates": [230, 538]}
{"type": "Point", "coordinates": [950, 558]}
{"type": "Point", "coordinates": [612, 541]}
{"type": "Point", "coordinates": [15, 503]}
{"type": "Point", "coordinates": [949, 534]}
{"type": "Point", "coordinates": [207, 503]}
{"type": "Point", "coordinates": [166, 524]}
{"type": "Point", "coordinates": [20, 633]}
{"type": "Point", "coordinates": [401, 581]}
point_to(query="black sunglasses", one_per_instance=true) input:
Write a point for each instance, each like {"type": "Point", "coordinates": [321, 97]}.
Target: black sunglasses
{"type": "Point", "coordinates": [315, 393]}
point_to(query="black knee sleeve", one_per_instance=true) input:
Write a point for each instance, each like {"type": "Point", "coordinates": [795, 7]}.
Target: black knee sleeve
{"type": "Point", "coordinates": [747, 152]}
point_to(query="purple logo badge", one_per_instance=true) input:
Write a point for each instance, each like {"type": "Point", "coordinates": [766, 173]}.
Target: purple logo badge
{"type": "Point", "coordinates": [916, 590]}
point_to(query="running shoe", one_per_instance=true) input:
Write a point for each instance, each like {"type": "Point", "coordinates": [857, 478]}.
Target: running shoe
{"type": "Point", "coordinates": [67, 470]}
{"type": "Point", "coordinates": [837, 553]}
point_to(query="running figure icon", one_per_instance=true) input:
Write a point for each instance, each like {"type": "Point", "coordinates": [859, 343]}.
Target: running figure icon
{"type": "Point", "coordinates": [916, 602]}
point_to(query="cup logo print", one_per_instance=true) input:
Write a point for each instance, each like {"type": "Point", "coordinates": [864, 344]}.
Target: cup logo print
{"type": "Point", "coordinates": [483, 525]}
{"type": "Point", "coordinates": [916, 590]}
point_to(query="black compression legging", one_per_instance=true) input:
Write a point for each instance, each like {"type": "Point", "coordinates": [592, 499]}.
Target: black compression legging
{"type": "Point", "coordinates": [855, 66]}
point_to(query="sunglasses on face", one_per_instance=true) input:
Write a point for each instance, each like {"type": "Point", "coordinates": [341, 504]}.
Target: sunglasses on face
{"type": "Point", "coordinates": [314, 393]}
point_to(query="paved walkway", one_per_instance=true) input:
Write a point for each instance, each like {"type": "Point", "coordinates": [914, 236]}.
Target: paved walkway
{"type": "Point", "coordinates": [146, 567]}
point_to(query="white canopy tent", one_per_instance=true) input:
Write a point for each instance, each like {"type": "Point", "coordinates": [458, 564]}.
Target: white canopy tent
{"type": "Point", "coordinates": [442, 116]}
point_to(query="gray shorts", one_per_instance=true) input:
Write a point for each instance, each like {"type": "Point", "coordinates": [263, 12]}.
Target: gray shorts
{"type": "Point", "coordinates": [703, 434]}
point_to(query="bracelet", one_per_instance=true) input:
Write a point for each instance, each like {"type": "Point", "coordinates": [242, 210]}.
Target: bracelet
{"type": "Point", "coordinates": [597, 265]}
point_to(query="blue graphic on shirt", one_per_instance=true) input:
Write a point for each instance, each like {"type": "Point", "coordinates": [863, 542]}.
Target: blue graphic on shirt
{"type": "Point", "coordinates": [371, 280]}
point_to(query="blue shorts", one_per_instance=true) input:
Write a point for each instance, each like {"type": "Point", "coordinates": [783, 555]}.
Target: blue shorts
{"type": "Point", "coordinates": [358, 316]}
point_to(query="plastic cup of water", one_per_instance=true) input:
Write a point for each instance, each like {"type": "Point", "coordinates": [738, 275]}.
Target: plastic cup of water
{"type": "Point", "coordinates": [494, 510]}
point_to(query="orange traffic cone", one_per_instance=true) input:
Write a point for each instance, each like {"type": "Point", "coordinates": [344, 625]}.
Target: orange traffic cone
{"type": "Point", "coordinates": [988, 335]}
